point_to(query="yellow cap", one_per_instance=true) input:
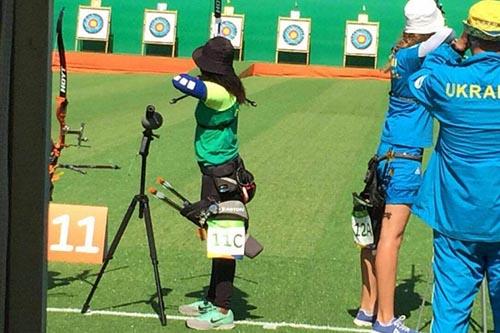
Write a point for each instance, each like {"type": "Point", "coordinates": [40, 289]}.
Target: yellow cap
{"type": "Point", "coordinates": [484, 20]}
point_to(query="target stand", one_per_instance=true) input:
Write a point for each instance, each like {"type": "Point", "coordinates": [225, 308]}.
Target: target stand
{"type": "Point", "coordinates": [293, 39]}
{"type": "Point", "coordinates": [361, 44]}
{"type": "Point", "coordinates": [93, 25]}
{"type": "Point", "coordinates": [159, 32]}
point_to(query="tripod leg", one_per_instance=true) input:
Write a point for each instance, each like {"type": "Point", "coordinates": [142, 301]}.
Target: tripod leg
{"type": "Point", "coordinates": [154, 258]}
{"type": "Point", "coordinates": [111, 251]}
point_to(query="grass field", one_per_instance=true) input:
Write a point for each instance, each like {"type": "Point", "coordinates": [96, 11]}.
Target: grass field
{"type": "Point", "coordinates": [307, 143]}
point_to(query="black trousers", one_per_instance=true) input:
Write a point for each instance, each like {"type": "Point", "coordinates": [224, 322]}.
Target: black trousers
{"type": "Point", "coordinates": [223, 270]}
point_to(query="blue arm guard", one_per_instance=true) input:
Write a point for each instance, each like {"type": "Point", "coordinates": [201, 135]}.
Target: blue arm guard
{"type": "Point", "coordinates": [190, 85]}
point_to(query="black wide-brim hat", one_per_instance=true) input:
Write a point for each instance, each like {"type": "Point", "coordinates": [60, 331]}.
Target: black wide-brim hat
{"type": "Point", "coordinates": [216, 56]}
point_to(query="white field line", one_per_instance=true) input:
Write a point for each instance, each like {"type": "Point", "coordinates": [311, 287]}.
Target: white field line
{"type": "Point", "coordinates": [267, 325]}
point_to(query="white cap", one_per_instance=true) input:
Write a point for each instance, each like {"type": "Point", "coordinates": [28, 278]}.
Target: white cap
{"type": "Point", "coordinates": [423, 17]}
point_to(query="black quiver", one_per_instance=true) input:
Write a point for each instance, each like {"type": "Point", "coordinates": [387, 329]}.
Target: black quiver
{"type": "Point", "coordinates": [373, 197]}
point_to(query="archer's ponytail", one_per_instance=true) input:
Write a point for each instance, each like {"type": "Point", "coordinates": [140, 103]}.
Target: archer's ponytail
{"type": "Point", "coordinates": [231, 82]}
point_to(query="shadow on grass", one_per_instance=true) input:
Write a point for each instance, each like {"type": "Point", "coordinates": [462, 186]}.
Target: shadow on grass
{"type": "Point", "coordinates": [239, 303]}
{"type": "Point", "coordinates": [55, 280]}
{"type": "Point", "coordinates": [152, 301]}
{"type": "Point", "coordinates": [477, 327]}
{"type": "Point", "coordinates": [406, 299]}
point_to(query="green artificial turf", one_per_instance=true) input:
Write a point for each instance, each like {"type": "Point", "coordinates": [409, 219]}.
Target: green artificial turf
{"type": "Point", "coordinates": [307, 143]}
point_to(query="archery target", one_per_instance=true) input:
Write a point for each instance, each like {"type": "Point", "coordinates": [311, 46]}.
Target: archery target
{"type": "Point", "coordinates": [93, 23]}
{"type": "Point", "coordinates": [361, 39]}
{"type": "Point", "coordinates": [228, 30]}
{"type": "Point", "coordinates": [159, 27]}
{"type": "Point", "coordinates": [231, 28]}
{"type": "Point", "coordinates": [293, 35]}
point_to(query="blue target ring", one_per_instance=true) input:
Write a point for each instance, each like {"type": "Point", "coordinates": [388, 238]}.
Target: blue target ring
{"type": "Point", "coordinates": [293, 35]}
{"type": "Point", "coordinates": [93, 23]}
{"type": "Point", "coordinates": [228, 30]}
{"type": "Point", "coordinates": [159, 27]}
{"type": "Point", "coordinates": [361, 39]}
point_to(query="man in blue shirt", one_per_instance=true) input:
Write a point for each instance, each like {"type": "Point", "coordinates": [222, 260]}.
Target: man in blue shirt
{"type": "Point", "coordinates": [460, 194]}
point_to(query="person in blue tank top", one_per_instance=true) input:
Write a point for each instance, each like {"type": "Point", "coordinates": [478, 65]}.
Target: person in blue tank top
{"type": "Point", "coordinates": [407, 131]}
{"type": "Point", "coordinates": [220, 93]}
{"type": "Point", "coordinates": [460, 194]}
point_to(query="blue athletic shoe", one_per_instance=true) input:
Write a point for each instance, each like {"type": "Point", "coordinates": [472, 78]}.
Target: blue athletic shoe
{"type": "Point", "coordinates": [212, 320]}
{"type": "Point", "coordinates": [395, 326]}
{"type": "Point", "coordinates": [363, 319]}
{"type": "Point", "coordinates": [197, 308]}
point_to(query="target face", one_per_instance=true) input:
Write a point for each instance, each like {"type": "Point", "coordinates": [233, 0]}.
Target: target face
{"type": "Point", "coordinates": [231, 28]}
{"type": "Point", "coordinates": [159, 27]}
{"type": "Point", "coordinates": [293, 35]}
{"type": "Point", "coordinates": [228, 30]}
{"type": "Point", "coordinates": [93, 23]}
{"type": "Point", "coordinates": [361, 39]}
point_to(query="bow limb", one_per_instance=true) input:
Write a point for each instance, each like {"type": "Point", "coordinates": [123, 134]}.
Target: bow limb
{"type": "Point", "coordinates": [61, 102]}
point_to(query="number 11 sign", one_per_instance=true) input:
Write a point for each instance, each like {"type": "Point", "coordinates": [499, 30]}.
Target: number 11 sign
{"type": "Point", "coordinates": [77, 233]}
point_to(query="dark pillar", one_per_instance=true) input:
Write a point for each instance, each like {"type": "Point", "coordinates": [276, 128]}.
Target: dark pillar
{"type": "Point", "coordinates": [25, 44]}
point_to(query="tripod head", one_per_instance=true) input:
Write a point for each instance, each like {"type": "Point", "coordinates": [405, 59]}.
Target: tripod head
{"type": "Point", "coordinates": [152, 119]}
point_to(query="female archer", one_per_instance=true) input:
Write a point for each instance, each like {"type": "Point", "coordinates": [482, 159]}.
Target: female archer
{"type": "Point", "coordinates": [220, 93]}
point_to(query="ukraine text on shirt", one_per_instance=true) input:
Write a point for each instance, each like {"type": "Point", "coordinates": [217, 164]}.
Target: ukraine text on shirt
{"type": "Point", "coordinates": [467, 90]}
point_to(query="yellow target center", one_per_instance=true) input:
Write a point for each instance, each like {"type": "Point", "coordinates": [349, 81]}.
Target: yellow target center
{"type": "Point", "coordinates": [93, 23]}
{"type": "Point", "coordinates": [293, 34]}
{"type": "Point", "coordinates": [361, 39]}
{"type": "Point", "coordinates": [159, 27]}
{"type": "Point", "coordinates": [226, 31]}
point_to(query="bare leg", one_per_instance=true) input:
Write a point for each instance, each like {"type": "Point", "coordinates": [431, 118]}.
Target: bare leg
{"type": "Point", "coordinates": [369, 281]}
{"type": "Point", "coordinates": [386, 262]}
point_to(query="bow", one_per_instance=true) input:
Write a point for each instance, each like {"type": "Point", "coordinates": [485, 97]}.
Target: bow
{"type": "Point", "coordinates": [61, 111]}
{"type": "Point", "coordinates": [62, 104]}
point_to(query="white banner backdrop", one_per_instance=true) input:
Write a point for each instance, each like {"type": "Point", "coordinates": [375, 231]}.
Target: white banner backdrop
{"type": "Point", "coordinates": [361, 38]}
{"type": "Point", "coordinates": [293, 34]}
{"type": "Point", "coordinates": [159, 27]}
{"type": "Point", "coordinates": [93, 23]}
{"type": "Point", "coordinates": [231, 28]}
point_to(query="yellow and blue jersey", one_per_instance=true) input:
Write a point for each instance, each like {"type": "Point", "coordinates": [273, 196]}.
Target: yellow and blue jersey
{"type": "Point", "coordinates": [406, 122]}
{"type": "Point", "coordinates": [460, 194]}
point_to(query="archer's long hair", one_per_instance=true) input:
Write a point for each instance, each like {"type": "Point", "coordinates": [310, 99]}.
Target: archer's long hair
{"type": "Point", "coordinates": [483, 44]}
{"type": "Point", "coordinates": [231, 82]}
{"type": "Point", "coordinates": [406, 40]}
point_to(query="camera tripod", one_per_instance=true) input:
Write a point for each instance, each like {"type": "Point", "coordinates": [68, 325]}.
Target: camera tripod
{"type": "Point", "coordinates": [152, 121]}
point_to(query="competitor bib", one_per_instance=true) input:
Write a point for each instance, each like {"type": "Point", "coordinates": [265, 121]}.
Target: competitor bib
{"type": "Point", "coordinates": [225, 239]}
{"type": "Point", "coordinates": [362, 230]}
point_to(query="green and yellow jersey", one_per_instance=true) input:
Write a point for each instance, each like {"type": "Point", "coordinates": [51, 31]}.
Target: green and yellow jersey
{"type": "Point", "coordinates": [216, 140]}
